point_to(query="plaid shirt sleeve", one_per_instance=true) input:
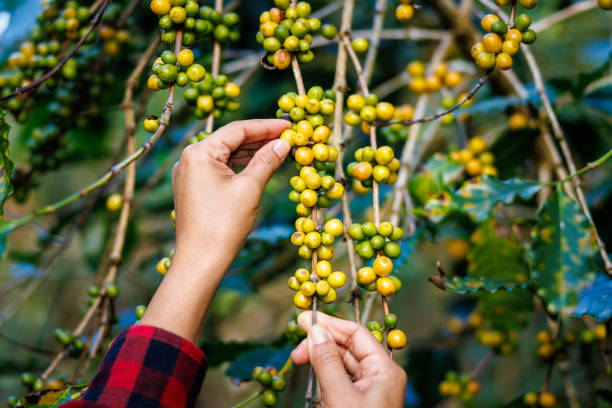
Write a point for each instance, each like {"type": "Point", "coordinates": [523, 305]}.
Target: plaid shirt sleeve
{"type": "Point", "coordinates": [146, 367]}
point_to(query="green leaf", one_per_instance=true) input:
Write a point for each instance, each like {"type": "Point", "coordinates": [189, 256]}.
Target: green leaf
{"type": "Point", "coordinates": [477, 197]}
{"type": "Point", "coordinates": [6, 164]}
{"type": "Point", "coordinates": [587, 78]}
{"type": "Point", "coordinates": [500, 258]}
{"type": "Point", "coordinates": [463, 285]}
{"type": "Point", "coordinates": [438, 174]}
{"type": "Point", "coordinates": [561, 253]}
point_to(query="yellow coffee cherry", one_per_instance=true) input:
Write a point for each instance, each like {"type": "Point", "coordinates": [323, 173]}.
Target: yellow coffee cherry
{"type": "Point", "coordinates": [185, 57]}
{"type": "Point", "coordinates": [322, 288]}
{"type": "Point", "coordinates": [162, 266]}
{"type": "Point", "coordinates": [416, 69]}
{"type": "Point", "coordinates": [293, 283]}
{"type": "Point", "coordinates": [323, 269]}
{"type": "Point", "coordinates": [337, 280]}
{"type": "Point", "coordinates": [308, 288]}
{"type": "Point", "coordinates": [366, 275]}
{"type": "Point", "coordinates": [404, 12]}
{"type": "Point", "coordinates": [114, 202]}
{"type": "Point", "coordinates": [302, 275]}
{"type": "Point", "coordinates": [232, 90]}
{"type": "Point", "coordinates": [330, 297]}
{"type": "Point", "coordinates": [334, 227]}
{"type": "Point", "coordinates": [477, 145]}
{"type": "Point", "coordinates": [302, 301]}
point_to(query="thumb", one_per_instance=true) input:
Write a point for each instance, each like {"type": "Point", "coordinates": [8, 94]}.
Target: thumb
{"type": "Point", "coordinates": [327, 362]}
{"type": "Point", "coordinates": [266, 161]}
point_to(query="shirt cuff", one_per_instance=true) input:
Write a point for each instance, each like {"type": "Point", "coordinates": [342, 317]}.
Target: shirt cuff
{"type": "Point", "coordinates": [148, 366]}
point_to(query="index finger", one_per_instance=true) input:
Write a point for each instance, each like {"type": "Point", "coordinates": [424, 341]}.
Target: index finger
{"type": "Point", "coordinates": [235, 134]}
{"type": "Point", "coordinates": [356, 338]}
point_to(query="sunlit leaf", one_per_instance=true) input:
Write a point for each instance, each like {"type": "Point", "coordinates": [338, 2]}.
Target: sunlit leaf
{"type": "Point", "coordinates": [438, 174]}
{"type": "Point", "coordinates": [561, 253]}
{"type": "Point", "coordinates": [477, 197]}
{"type": "Point", "coordinates": [596, 299]}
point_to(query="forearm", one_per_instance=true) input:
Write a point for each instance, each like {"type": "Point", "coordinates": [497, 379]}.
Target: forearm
{"type": "Point", "coordinates": [182, 299]}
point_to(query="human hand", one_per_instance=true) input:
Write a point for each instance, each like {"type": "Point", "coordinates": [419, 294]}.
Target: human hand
{"type": "Point", "coordinates": [215, 207]}
{"type": "Point", "coordinates": [215, 212]}
{"type": "Point", "coordinates": [335, 347]}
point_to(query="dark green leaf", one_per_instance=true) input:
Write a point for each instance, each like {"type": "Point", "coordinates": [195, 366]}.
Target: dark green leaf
{"type": "Point", "coordinates": [467, 284]}
{"type": "Point", "coordinates": [561, 253]}
{"type": "Point", "coordinates": [477, 197]}
{"type": "Point", "coordinates": [6, 164]}
{"type": "Point", "coordinates": [587, 78]}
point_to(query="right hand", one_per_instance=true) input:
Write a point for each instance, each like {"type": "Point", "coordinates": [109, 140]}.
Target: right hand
{"type": "Point", "coordinates": [333, 348]}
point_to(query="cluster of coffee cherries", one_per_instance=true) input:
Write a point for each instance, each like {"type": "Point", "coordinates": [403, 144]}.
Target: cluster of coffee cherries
{"type": "Point", "coordinates": [216, 95]}
{"type": "Point", "coordinates": [285, 31]}
{"type": "Point", "coordinates": [308, 239]}
{"type": "Point", "coordinates": [73, 346]}
{"type": "Point", "coordinates": [599, 333]}
{"type": "Point", "coordinates": [441, 76]}
{"type": "Point", "coordinates": [378, 277]}
{"type": "Point", "coordinates": [369, 238]}
{"type": "Point", "coordinates": [271, 382]}
{"type": "Point", "coordinates": [501, 42]}
{"type": "Point", "coordinates": [396, 339]}
{"type": "Point", "coordinates": [164, 264]}
{"type": "Point", "coordinates": [398, 133]}
{"type": "Point", "coordinates": [549, 348]}
{"type": "Point", "coordinates": [459, 386]}
{"type": "Point", "coordinates": [404, 12]}
{"type": "Point", "coordinates": [365, 110]}
{"type": "Point", "coordinates": [475, 158]}
{"type": "Point", "coordinates": [293, 332]}
{"type": "Point", "coordinates": [457, 325]}
{"type": "Point", "coordinates": [542, 399]}
{"type": "Point", "coordinates": [32, 383]}
{"type": "Point", "coordinates": [113, 39]}
{"type": "Point", "coordinates": [199, 137]}
{"type": "Point", "coordinates": [500, 342]}
{"type": "Point", "coordinates": [197, 23]}
{"type": "Point", "coordinates": [371, 166]}
{"type": "Point", "coordinates": [170, 68]}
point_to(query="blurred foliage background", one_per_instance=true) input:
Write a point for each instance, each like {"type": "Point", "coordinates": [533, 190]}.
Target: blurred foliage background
{"type": "Point", "coordinates": [253, 306]}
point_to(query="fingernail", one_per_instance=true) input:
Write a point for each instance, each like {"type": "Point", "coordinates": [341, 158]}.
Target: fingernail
{"type": "Point", "coordinates": [281, 148]}
{"type": "Point", "coordinates": [319, 334]}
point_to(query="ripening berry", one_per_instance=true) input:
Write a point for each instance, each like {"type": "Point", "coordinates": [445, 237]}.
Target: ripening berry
{"type": "Point", "coordinates": [335, 192]}
{"type": "Point", "coordinates": [546, 351]}
{"type": "Point", "coordinates": [366, 275]}
{"type": "Point", "coordinates": [363, 171]}
{"type": "Point", "coordinates": [330, 297]}
{"type": "Point", "coordinates": [487, 21]}
{"type": "Point", "coordinates": [302, 301]}
{"type": "Point", "coordinates": [605, 4]}
{"type": "Point", "coordinates": [383, 266]}
{"type": "Point", "coordinates": [385, 286]}
{"type": "Point", "coordinates": [322, 288]}
{"type": "Point", "coordinates": [600, 332]}
{"type": "Point", "coordinates": [416, 69]}
{"type": "Point", "coordinates": [185, 57]}
{"type": "Point", "coordinates": [473, 388]}
{"type": "Point", "coordinates": [114, 202]}
{"type": "Point", "coordinates": [404, 12]}
{"type": "Point", "coordinates": [293, 283]}
{"type": "Point", "coordinates": [530, 399]}
{"type": "Point", "coordinates": [396, 339]}
{"type": "Point", "coordinates": [337, 280]}
{"type": "Point", "coordinates": [473, 167]}
{"type": "Point", "coordinates": [452, 79]}
{"type": "Point", "coordinates": [514, 35]}
{"type": "Point", "coordinates": [308, 288]}
{"type": "Point", "coordinates": [485, 61]}
{"type": "Point", "coordinates": [334, 227]}
{"type": "Point", "coordinates": [546, 400]}
{"type": "Point", "coordinates": [492, 43]}
{"type": "Point", "coordinates": [543, 337]}
{"type": "Point", "coordinates": [478, 49]}
{"type": "Point", "coordinates": [162, 266]}
{"type": "Point", "coordinates": [517, 121]}
{"type": "Point", "coordinates": [360, 45]}
{"type": "Point", "coordinates": [161, 7]}
{"type": "Point", "coordinates": [503, 61]}
{"type": "Point", "coordinates": [151, 124]}
{"type": "Point", "coordinates": [384, 111]}
{"type": "Point", "coordinates": [477, 145]}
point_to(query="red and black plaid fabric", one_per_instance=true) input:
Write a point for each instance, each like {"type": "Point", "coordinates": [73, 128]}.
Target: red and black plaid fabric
{"type": "Point", "coordinates": [146, 367]}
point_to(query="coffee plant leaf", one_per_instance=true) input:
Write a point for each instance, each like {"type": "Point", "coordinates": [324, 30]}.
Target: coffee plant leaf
{"type": "Point", "coordinates": [463, 285]}
{"type": "Point", "coordinates": [478, 197]}
{"type": "Point", "coordinates": [561, 253]}
{"type": "Point", "coordinates": [438, 174]}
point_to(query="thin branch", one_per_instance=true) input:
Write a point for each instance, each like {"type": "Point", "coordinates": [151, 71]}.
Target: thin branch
{"type": "Point", "coordinates": [410, 145]}
{"type": "Point", "coordinates": [92, 25]}
{"type": "Point", "coordinates": [128, 13]}
{"type": "Point", "coordinates": [377, 26]}
{"type": "Point", "coordinates": [564, 14]}
{"type": "Point", "coordinates": [339, 87]}
{"type": "Point", "coordinates": [216, 67]}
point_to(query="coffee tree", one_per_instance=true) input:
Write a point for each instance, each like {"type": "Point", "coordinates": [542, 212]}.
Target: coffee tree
{"type": "Point", "coordinates": [446, 188]}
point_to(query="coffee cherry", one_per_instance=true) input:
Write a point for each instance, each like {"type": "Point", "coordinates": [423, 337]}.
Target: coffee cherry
{"type": "Point", "coordinates": [600, 332]}
{"type": "Point", "coordinates": [492, 43]}
{"type": "Point", "coordinates": [160, 7]}
{"type": "Point", "coordinates": [366, 275]}
{"type": "Point", "coordinates": [605, 4]}
{"type": "Point", "coordinates": [334, 227]}
{"type": "Point", "coordinates": [302, 301]}
{"type": "Point", "coordinates": [488, 20]}
{"type": "Point", "coordinates": [114, 202]}
{"type": "Point", "coordinates": [404, 12]}
{"type": "Point", "coordinates": [485, 61]}
{"type": "Point", "coordinates": [111, 291]}
{"type": "Point", "coordinates": [385, 286]}
{"type": "Point", "coordinates": [139, 311]}
{"type": "Point", "coordinates": [308, 288]}
{"type": "Point", "coordinates": [530, 399]}
{"type": "Point", "coordinates": [329, 31]}
{"type": "Point", "coordinates": [546, 400]}
{"type": "Point", "coordinates": [185, 58]}
{"type": "Point", "coordinates": [503, 61]}
{"type": "Point", "coordinates": [151, 124]}
{"type": "Point", "coordinates": [522, 22]}
{"type": "Point", "coordinates": [396, 339]}
{"type": "Point", "coordinates": [360, 45]}
{"type": "Point", "coordinates": [529, 37]}
{"type": "Point", "coordinates": [390, 321]}
{"type": "Point", "coordinates": [337, 280]}
{"type": "Point", "coordinates": [382, 266]}
{"type": "Point", "coordinates": [278, 383]}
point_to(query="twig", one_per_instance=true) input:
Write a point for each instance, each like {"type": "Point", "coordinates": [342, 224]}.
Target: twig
{"type": "Point", "coordinates": [590, 166]}
{"type": "Point", "coordinates": [128, 13]}
{"type": "Point", "coordinates": [216, 66]}
{"type": "Point", "coordinates": [568, 384]}
{"type": "Point", "coordinates": [339, 87]}
{"type": "Point", "coordinates": [410, 145]}
{"type": "Point", "coordinates": [377, 26]}
{"type": "Point", "coordinates": [247, 401]}
{"type": "Point", "coordinates": [92, 25]}
{"type": "Point", "coordinates": [564, 14]}
{"type": "Point", "coordinates": [363, 84]}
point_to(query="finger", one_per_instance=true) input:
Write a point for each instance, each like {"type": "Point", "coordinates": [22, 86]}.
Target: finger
{"type": "Point", "coordinates": [265, 162]}
{"type": "Point", "coordinates": [327, 362]}
{"type": "Point", "coordinates": [236, 134]}
{"type": "Point", "coordinates": [300, 357]}
{"type": "Point", "coordinates": [233, 163]}
{"type": "Point", "coordinates": [356, 338]}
